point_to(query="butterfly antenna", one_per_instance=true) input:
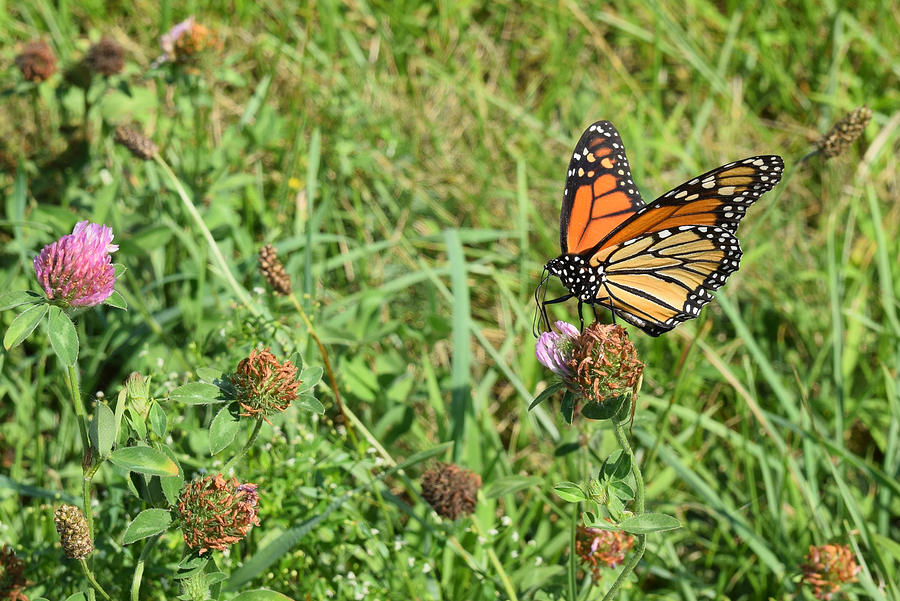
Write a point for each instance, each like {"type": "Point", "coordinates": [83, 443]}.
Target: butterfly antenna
{"type": "Point", "coordinates": [540, 311]}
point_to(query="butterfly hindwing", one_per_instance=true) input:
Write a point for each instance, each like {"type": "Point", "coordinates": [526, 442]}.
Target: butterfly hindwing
{"type": "Point", "coordinates": [600, 192]}
{"type": "Point", "coordinates": [717, 198]}
{"type": "Point", "coordinates": [659, 280]}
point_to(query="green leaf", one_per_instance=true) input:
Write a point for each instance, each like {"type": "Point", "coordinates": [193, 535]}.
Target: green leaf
{"type": "Point", "coordinates": [649, 522]}
{"type": "Point", "coordinates": [23, 325]}
{"type": "Point", "coordinates": [147, 523]}
{"type": "Point", "coordinates": [592, 521]}
{"type": "Point", "coordinates": [567, 407]}
{"type": "Point", "coordinates": [621, 465]}
{"type": "Point", "coordinates": [223, 428]}
{"type": "Point", "coordinates": [546, 394]}
{"type": "Point", "coordinates": [120, 269]}
{"type": "Point", "coordinates": [14, 298]}
{"type": "Point", "coordinates": [310, 403]}
{"type": "Point", "coordinates": [76, 597]}
{"type": "Point", "coordinates": [309, 377]}
{"type": "Point", "coordinates": [63, 337]}
{"type": "Point", "coordinates": [508, 485]}
{"type": "Point", "coordinates": [137, 423]}
{"type": "Point", "coordinates": [605, 410]}
{"type": "Point", "coordinates": [144, 460]}
{"type": "Point", "coordinates": [210, 375]}
{"type": "Point", "coordinates": [103, 429]}
{"type": "Point", "coordinates": [171, 485]}
{"type": "Point", "coordinates": [197, 393]}
{"type": "Point", "coordinates": [571, 492]}
{"type": "Point", "coordinates": [158, 420]}
{"type": "Point", "coordinates": [116, 301]}
{"type": "Point", "coordinates": [622, 490]}
{"type": "Point", "coordinates": [262, 595]}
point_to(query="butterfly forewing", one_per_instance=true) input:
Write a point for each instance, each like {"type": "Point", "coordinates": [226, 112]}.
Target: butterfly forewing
{"type": "Point", "coordinates": [600, 193]}
{"type": "Point", "coordinates": [658, 280]}
{"type": "Point", "coordinates": [717, 198]}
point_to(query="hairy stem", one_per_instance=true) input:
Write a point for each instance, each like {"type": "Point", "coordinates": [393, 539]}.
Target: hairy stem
{"type": "Point", "coordinates": [90, 576]}
{"type": "Point", "coordinates": [71, 378]}
{"type": "Point", "coordinates": [640, 539]}
{"type": "Point", "coordinates": [139, 568]}
{"type": "Point", "coordinates": [246, 446]}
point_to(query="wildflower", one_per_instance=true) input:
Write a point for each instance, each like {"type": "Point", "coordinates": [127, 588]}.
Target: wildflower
{"type": "Point", "coordinates": [105, 57]}
{"type": "Point", "coordinates": [604, 363]}
{"type": "Point", "coordinates": [827, 568]}
{"type": "Point", "coordinates": [12, 575]}
{"type": "Point", "coordinates": [554, 349]}
{"type": "Point", "coordinates": [273, 270]}
{"type": "Point", "coordinates": [601, 548]}
{"type": "Point", "coordinates": [36, 61]}
{"type": "Point", "coordinates": [215, 512]}
{"type": "Point", "coordinates": [844, 132]}
{"type": "Point", "coordinates": [77, 269]}
{"type": "Point", "coordinates": [185, 40]}
{"type": "Point", "coordinates": [73, 532]}
{"type": "Point", "coordinates": [140, 145]}
{"type": "Point", "coordinates": [263, 385]}
{"type": "Point", "coordinates": [451, 490]}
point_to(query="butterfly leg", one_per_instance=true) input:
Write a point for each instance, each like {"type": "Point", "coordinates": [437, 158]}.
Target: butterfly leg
{"type": "Point", "coordinates": [554, 301]}
{"type": "Point", "coordinates": [581, 315]}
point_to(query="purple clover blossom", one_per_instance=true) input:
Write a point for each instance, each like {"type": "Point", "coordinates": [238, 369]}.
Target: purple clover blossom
{"type": "Point", "coordinates": [77, 269]}
{"type": "Point", "coordinates": [554, 349]}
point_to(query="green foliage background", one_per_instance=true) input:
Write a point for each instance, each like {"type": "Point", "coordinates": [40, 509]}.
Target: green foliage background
{"type": "Point", "coordinates": [407, 160]}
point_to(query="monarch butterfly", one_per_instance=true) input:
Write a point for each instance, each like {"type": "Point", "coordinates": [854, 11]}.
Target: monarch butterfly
{"type": "Point", "coordinates": [654, 264]}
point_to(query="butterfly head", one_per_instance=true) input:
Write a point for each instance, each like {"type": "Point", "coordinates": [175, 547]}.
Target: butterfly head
{"type": "Point", "coordinates": [578, 276]}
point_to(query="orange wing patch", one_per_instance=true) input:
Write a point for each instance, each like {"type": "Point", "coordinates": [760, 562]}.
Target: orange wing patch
{"type": "Point", "coordinates": [599, 193]}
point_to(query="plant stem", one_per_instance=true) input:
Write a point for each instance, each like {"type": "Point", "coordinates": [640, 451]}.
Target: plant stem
{"type": "Point", "coordinates": [504, 578]}
{"type": "Point", "coordinates": [71, 378]}
{"type": "Point", "coordinates": [640, 539]}
{"type": "Point", "coordinates": [246, 446]}
{"type": "Point", "coordinates": [139, 568]}
{"type": "Point", "coordinates": [213, 247]}
{"type": "Point", "coordinates": [90, 576]}
{"type": "Point", "coordinates": [89, 472]}
{"type": "Point", "coordinates": [332, 381]}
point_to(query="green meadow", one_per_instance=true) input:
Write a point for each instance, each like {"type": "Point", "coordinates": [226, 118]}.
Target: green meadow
{"type": "Point", "coordinates": [407, 160]}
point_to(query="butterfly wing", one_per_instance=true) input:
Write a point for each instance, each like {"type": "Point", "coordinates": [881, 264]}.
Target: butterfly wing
{"type": "Point", "coordinates": [600, 193]}
{"type": "Point", "coordinates": [658, 280]}
{"type": "Point", "coordinates": [718, 198]}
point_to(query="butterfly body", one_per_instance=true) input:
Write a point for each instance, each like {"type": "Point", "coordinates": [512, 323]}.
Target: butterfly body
{"type": "Point", "coordinates": [654, 265]}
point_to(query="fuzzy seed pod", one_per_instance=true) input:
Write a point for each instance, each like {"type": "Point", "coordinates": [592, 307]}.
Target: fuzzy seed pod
{"type": "Point", "coordinates": [451, 490]}
{"type": "Point", "coordinates": [73, 532]}
{"type": "Point", "coordinates": [273, 270]}
{"type": "Point", "coordinates": [140, 145]}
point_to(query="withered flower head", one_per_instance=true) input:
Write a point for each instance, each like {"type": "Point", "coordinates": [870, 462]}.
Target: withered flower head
{"type": "Point", "coordinates": [137, 143]}
{"type": "Point", "coordinates": [273, 270]}
{"type": "Point", "coordinates": [263, 385]}
{"type": "Point", "coordinates": [36, 61]}
{"type": "Point", "coordinates": [187, 39]}
{"type": "Point", "coordinates": [604, 363]}
{"type": "Point", "coordinates": [845, 132]}
{"type": "Point", "coordinates": [601, 548]}
{"type": "Point", "coordinates": [215, 512]}
{"type": "Point", "coordinates": [105, 57]}
{"type": "Point", "coordinates": [12, 575]}
{"type": "Point", "coordinates": [827, 568]}
{"type": "Point", "coordinates": [451, 490]}
{"type": "Point", "coordinates": [73, 532]}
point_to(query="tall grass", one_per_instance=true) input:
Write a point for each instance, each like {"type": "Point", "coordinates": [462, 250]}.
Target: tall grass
{"type": "Point", "coordinates": [407, 161]}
